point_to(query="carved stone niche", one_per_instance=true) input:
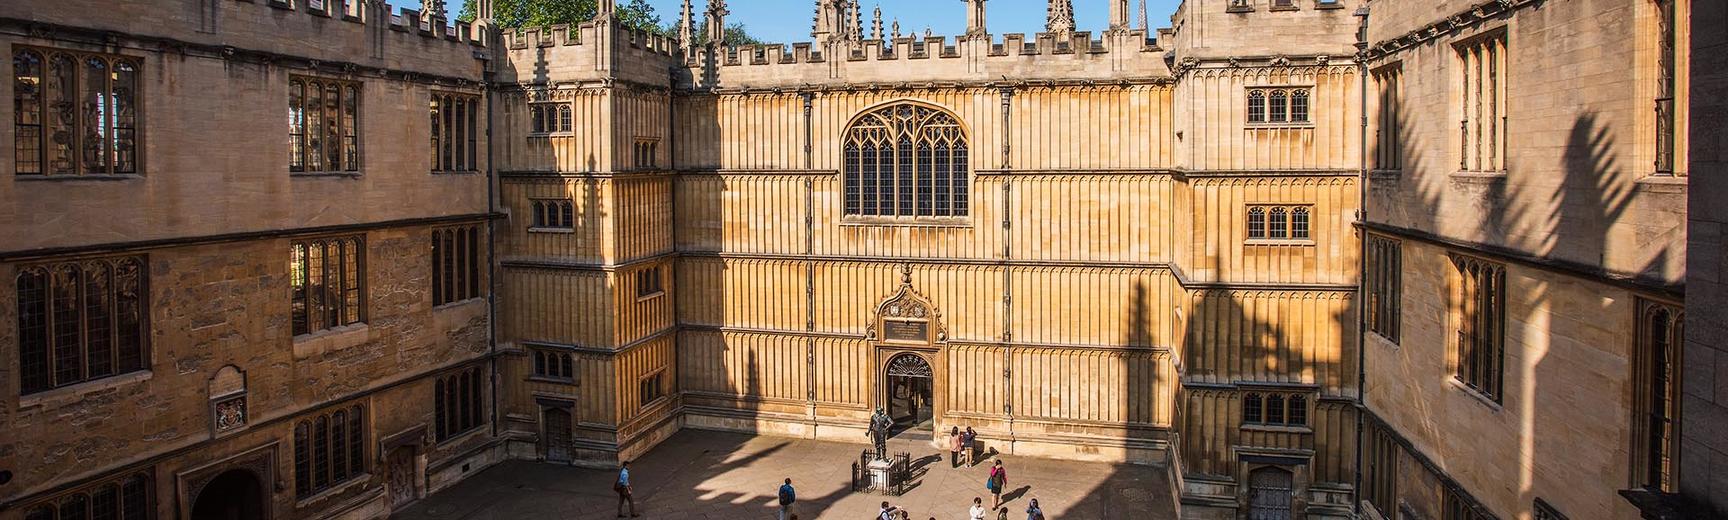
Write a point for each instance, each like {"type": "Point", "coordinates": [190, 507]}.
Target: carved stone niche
{"type": "Point", "coordinates": [907, 318]}
{"type": "Point", "coordinates": [228, 413]}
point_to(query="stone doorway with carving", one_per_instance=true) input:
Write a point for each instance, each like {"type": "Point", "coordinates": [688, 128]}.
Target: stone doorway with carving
{"type": "Point", "coordinates": [402, 476]}
{"type": "Point", "coordinates": [910, 399]}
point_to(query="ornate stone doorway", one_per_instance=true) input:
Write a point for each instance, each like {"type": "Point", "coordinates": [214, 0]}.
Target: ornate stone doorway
{"type": "Point", "coordinates": [234, 495]}
{"type": "Point", "coordinates": [910, 389]}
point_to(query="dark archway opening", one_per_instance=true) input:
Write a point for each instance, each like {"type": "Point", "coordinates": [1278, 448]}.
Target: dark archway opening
{"type": "Point", "coordinates": [910, 387]}
{"type": "Point", "coordinates": [233, 495]}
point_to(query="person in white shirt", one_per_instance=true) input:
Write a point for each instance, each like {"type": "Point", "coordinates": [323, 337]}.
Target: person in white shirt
{"type": "Point", "coordinates": [977, 512]}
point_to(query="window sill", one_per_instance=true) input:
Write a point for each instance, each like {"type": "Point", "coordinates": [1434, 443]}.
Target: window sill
{"type": "Point", "coordinates": [335, 489]}
{"type": "Point", "coordinates": [1277, 8]}
{"type": "Point", "coordinates": [1383, 339]}
{"type": "Point", "coordinates": [68, 177]}
{"type": "Point", "coordinates": [458, 303]}
{"type": "Point", "coordinates": [1239, 9]}
{"type": "Point", "coordinates": [552, 230]}
{"type": "Point", "coordinates": [1288, 125]}
{"type": "Point", "coordinates": [553, 380]}
{"type": "Point", "coordinates": [543, 135]}
{"type": "Point", "coordinates": [325, 175]}
{"type": "Point", "coordinates": [1663, 183]}
{"type": "Point", "coordinates": [645, 297]}
{"type": "Point", "coordinates": [1385, 173]}
{"type": "Point", "coordinates": [1295, 242]}
{"type": "Point", "coordinates": [1273, 428]}
{"type": "Point", "coordinates": [455, 172]}
{"type": "Point", "coordinates": [930, 222]}
{"type": "Point", "coordinates": [1479, 177]}
{"type": "Point", "coordinates": [1324, 5]}
{"type": "Point", "coordinates": [1475, 394]}
{"type": "Point", "coordinates": [331, 340]}
{"type": "Point", "coordinates": [458, 437]}
{"type": "Point", "coordinates": [68, 394]}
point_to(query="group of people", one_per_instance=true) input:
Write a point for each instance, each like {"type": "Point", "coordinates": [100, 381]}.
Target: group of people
{"type": "Point", "coordinates": [977, 512]}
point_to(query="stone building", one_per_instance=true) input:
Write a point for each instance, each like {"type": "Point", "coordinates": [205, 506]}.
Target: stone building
{"type": "Point", "coordinates": [1316, 258]}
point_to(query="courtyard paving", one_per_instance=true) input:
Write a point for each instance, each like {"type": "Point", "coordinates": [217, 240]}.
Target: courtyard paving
{"type": "Point", "coordinates": [710, 475]}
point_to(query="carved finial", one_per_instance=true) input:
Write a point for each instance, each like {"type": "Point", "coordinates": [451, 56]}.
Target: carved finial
{"type": "Point", "coordinates": [1059, 18]}
{"type": "Point", "coordinates": [876, 24]}
{"type": "Point", "coordinates": [1118, 15]}
{"type": "Point", "coordinates": [974, 19]}
{"type": "Point", "coordinates": [433, 8]}
{"type": "Point", "coordinates": [715, 22]}
{"type": "Point", "coordinates": [686, 26]}
{"type": "Point", "coordinates": [929, 33]}
{"type": "Point", "coordinates": [896, 29]}
{"type": "Point", "coordinates": [857, 33]}
{"type": "Point", "coordinates": [1144, 24]}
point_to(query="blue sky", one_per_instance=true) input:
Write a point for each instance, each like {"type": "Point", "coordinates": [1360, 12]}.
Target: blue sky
{"type": "Point", "coordinates": [783, 21]}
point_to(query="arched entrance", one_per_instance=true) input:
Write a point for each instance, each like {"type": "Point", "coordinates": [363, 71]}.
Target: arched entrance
{"type": "Point", "coordinates": [233, 495]}
{"type": "Point", "coordinates": [909, 398]}
{"type": "Point", "coordinates": [1270, 494]}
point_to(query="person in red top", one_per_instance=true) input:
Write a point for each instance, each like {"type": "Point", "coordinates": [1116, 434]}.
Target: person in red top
{"type": "Point", "coordinates": [998, 480]}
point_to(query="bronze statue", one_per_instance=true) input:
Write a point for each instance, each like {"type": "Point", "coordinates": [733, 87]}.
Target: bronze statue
{"type": "Point", "coordinates": [880, 427]}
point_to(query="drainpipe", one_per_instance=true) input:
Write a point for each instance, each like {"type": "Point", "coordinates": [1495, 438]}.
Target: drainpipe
{"type": "Point", "coordinates": [491, 243]}
{"type": "Point", "coordinates": [1362, 252]}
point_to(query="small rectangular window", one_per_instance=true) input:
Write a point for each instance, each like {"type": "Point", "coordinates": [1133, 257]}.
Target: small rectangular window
{"type": "Point", "coordinates": [553, 364]}
{"type": "Point", "coordinates": [552, 214]}
{"type": "Point", "coordinates": [652, 388]}
{"type": "Point", "coordinates": [1275, 408]}
{"type": "Point", "coordinates": [648, 282]}
{"type": "Point", "coordinates": [1280, 223]}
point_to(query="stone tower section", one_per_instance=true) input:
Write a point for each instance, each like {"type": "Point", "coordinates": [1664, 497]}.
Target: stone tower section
{"type": "Point", "coordinates": [585, 257]}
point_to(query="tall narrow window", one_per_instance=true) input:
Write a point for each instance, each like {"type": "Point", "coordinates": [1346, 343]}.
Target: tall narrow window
{"type": "Point", "coordinates": [648, 282]}
{"type": "Point", "coordinates": [323, 125]}
{"type": "Point", "coordinates": [1482, 127]}
{"type": "Point", "coordinates": [1380, 469]}
{"type": "Point", "coordinates": [1383, 284]}
{"type": "Point", "coordinates": [1277, 223]}
{"type": "Point", "coordinates": [74, 113]}
{"type": "Point", "coordinates": [1256, 222]}
{"type": "Point", "coordinates": [329, 450]}
{"type": "Point", "coordinates": [1256, 106]}
{"type": "Point", "coordinates": [653, 387]}
{"type": "Point", "coordinates": [896, 156]}
{"type": "Point", "coordinates": [1276, 105]}
{"type": "Point", "coordinates": [456, 264]}
{"type": "Point", "coordinates": [459, 408]}
{"type": "Point", "coordinates": [1667, 63]}
{"type": "Point", "coordinates": [1388, 142]}
{"type": "Point", "coordinates": [327, 276]}
{"type": "Point", "coordinates": [1478, 317]}
{"type": "Point", "coordinates": [1657, 360]}
{"type": "Point", "coordinates": [80, 321]}
{"type": "Point", "coordinates": [1299, 106]}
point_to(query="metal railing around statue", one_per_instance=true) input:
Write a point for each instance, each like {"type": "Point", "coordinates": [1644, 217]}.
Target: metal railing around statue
{"type": "Point", "coordinates": [899, 474]}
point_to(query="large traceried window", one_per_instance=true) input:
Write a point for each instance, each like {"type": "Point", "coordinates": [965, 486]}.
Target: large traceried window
{"type": "Point", "coordinates": [1656, 408]}
{"type": "Point", "coordinates": [74, 113]}
{"type": "Point", "coordinates": [906, 160]}
{"type": "Point", "coordinates": [128, 497]}
{"type": "Point", "coordinates": [1479, 319]}
{"type": "Point", "coordinates": [328, 277]}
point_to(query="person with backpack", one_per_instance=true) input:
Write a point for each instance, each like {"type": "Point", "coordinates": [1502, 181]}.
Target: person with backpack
{"type": "Point", "coordinates": [1033, 512]}
{"type": "Point", "coordinates": [997, 480]}
{"type": "Point", "coordinates": [787, 497]}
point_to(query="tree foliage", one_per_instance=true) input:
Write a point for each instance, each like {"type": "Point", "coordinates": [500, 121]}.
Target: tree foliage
{"type": "Point", "coordinates": [735, 35]}
{"type": "Point", "coordinates": [635, 14]}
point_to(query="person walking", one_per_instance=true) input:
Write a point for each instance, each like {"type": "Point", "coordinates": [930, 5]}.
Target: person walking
{"type": "Point", "coordinates": [998, 479]}
{"type": "Point", "coordinates": [887, 512]}
{"type": "Point", "coordinates": [625, 493]}
{"type": "Point", "coordinates": [977, 512]}
{"type": "Point", "coordinates": [969, 446]}
{"type": "Point", "coordinates": [787, 497]}
{"type": "Point", "coordinates": [954, 445]}
{"type": "Point", "coordinates": [1033, 512]}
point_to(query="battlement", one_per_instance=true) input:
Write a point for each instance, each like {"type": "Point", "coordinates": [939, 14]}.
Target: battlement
{"type": "Point", "coordinates": [564, 35]}
{"type": "Point", "coordinates": [1077, 55]}
{"type": "Point", "coordinates": [402, 20]}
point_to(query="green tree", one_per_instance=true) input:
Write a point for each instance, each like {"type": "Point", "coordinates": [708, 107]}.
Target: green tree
{"type": "Point", "coordinates": [636, 14]}
{"type": "Point", "coordinates": [735, 35]}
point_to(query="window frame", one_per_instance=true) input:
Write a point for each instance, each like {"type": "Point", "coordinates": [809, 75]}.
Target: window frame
{"type": "Point", "coordinates": [461, 279]}
{"type": "Point", "coordinates": [305, 303]}
{"type": "Point", "coordinates": [1384, 287]}
{"type": "Point", "coordinates": [454, 152]}
{"type": "Point", "coordinates": [145, 493]}
{"type": "Point", "coordinates": [540, 217]}
{"type": "Point", "coordinates": [1277, 224]}
{"type": "Point", "coordinates": [651, 388]}
{"type": "Point", "coordinates": [650, 283]}
{"type": "Point", "coordinates": [553, 364]}
{"type": "Point", "coordinates": [75, 152]}
{"type": "Point", "coordinates": [1476, 153]}
{"type": "Point", "coordinates": [922, 160]}
{"type": "Point", "coordinates": [1263, 401]}
{"type": "Point", "coordinates": [348, 131]}
{"type": "Point", "coordinates": [1648, 470]}
{"type": "Point", "coordinates": [1388, 155]}
{"type": "Point", "coordinates": [550, 118]}
{"type": "Point", "coordinates": [1274, 106]}
{"type": "Point", "coordinates": [1478, 365]}
{"type": "Point", "coordinates": [316, 453]}
{"type": "Point", "coordinates": [48, 336]}
{"type": "Point", "coordinates": [459, 404]}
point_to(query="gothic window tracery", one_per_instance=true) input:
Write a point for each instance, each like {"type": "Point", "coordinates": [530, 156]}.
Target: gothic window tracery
{"type": "Point", "coordinates": [75, 113]}
{"type": "Point", "coordinates": [906, 160]}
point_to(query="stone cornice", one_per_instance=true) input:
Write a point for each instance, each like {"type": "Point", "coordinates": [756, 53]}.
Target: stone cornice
{"type": "Point", "coordinates": [1462, 20]}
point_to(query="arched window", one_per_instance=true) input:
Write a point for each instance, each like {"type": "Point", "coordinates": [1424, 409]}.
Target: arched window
{"type": "Point", "coordinates": [1278, 226]}
{"type": "Point", "coordinates": [1299, 106]}
{"type": "Point", "coordinates": [1253, 408]}
{"type": "Point", "coordinates": [328, 450]}
{"type": "Point", "coordinates": [1299, 222]}
{"type": "Point", "coordinates": [1257, 222]}
{"type": "Point", "coordinates": [1279, 100]}
{"type": "Point", "coordinates": [1256, 106]}
{"type": "Point", "coordinates": [906, 160]}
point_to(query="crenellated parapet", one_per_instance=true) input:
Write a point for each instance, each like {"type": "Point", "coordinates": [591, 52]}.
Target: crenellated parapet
{"type": "Point", "coordinates": [1042, 56]}
{"type": "Point", "coordinates": [595, 50]}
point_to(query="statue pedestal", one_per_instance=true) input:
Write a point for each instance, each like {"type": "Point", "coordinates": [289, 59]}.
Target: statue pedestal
{"type": "Point", "coordinates": [880, 477]}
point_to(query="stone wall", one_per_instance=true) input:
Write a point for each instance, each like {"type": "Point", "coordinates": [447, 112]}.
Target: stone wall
{"type": "Point", "coordinates": [1704, 386]}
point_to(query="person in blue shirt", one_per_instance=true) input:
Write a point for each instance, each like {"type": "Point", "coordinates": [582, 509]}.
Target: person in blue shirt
{"type": "Point", "coordinates": [625, 493]}
{"type": "Point", "coordinates": [787, 497]}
